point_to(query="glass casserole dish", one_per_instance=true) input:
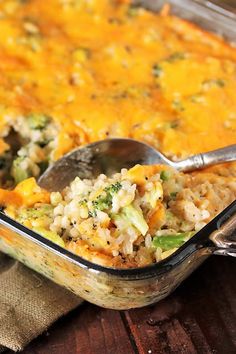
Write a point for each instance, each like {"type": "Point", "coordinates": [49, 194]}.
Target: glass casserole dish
{"type": "Point", "coordinates": [121, 289]}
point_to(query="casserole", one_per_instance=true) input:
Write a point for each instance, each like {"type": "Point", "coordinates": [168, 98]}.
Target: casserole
{"type": "Point", "coordinates": [115, 288]}
{"type": "Point", "coordinates": [118, 288]}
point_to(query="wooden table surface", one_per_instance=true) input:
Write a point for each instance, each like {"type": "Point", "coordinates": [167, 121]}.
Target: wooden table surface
{"type": "Point", "coordinates": [199, 317]}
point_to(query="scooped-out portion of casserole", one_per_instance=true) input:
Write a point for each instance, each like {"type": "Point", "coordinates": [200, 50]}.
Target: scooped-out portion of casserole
{"type": "Point", "coordinates": [134, 218]}
{"type": "Point", "coordinates": [77, 71]}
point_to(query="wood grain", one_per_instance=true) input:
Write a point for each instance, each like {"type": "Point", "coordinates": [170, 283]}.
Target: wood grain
{"type": "Point", "coordinates": [86, 330]}
{"type": "Point", "coordinates": [199, 317]}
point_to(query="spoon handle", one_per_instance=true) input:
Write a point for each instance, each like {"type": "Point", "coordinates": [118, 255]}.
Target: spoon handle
{"type": "Point", "coordinates": [206, 159]}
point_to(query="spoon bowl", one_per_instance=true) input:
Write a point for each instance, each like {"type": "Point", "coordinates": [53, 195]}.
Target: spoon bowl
{"type": "Point", "coordinates": [111, 155]}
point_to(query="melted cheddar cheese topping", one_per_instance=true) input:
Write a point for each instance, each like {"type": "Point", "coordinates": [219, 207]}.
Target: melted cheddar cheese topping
{"type": "Point", "coordinates": [105, 69]}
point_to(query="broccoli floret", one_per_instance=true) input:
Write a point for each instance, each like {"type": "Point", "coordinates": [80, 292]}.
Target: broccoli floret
{"type": "Point", "coordinates": [167, 242]}
{"type": "Point", "coordinates": [135, 217]}
{"type": "Point", "coordinates": [105, 202]}
{"type": "Point", "coordinates": [113, 188]}
{"type": "Point", "coordinates": [102, 203]}
{"type": "Point", "coordinates": [17, 171]}
{"type": "Point", "coordinates": [165, 175]}
{"type": "Point", "coordinates": [38, 121]}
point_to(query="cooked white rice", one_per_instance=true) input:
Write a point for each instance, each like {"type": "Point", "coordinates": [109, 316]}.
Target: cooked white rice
{"type": "Point", "coordinates": [134, 218]}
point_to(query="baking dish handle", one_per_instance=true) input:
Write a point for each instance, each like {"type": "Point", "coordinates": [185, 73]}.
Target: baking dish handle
{"type": "Point", "coordinates": [224, 238]}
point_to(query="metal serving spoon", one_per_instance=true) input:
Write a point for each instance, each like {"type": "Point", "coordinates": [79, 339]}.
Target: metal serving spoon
{"type": "Point", "coordinates": [111, 155]}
